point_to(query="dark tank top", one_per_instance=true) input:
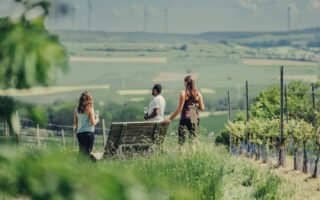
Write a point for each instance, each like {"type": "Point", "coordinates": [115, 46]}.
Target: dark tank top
{"type": "Point", "coordinates": [186, 110]}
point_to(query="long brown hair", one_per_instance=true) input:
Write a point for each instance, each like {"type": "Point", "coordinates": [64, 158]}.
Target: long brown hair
{"type": "Point", "coordinates": [85, 102]}
{"type": "Point", "coordinates": [191, 89]}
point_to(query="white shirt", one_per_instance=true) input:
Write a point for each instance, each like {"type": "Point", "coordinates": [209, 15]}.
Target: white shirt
{"type": "Point", "coordinates": [160, 103]}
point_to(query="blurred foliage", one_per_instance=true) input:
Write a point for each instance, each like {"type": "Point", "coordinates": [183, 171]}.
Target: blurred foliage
{"type": "Point", "coordinates": [29, 56]}
{"type": "Point", "coordinates": [223, 137]}
{"type": "Point", "coordinates": [38, 114]}
{"type": "Point", "coordinates": [267, 103]}
{"type": "Point", "coordinates": [7, 107]}
{"type": "Point", "coordinates": [42, 175]}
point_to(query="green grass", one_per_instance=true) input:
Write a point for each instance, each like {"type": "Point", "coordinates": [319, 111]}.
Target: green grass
{"type": "Point", "coordinates": [45, 175]}
{"type": "Point", "coordinates": [204, 172]}
{"type": "Point", "coordinates": [214, 123]}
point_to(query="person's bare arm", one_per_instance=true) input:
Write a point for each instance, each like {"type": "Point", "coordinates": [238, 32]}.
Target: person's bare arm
{"type": "Point", "coordinates": [93, 119]}
{"type": "Point", "coordinates": [178, 110]}
{"type": "Point", "coordinates": [201, 104]}
{"type": "Point", "coordinates": [152, 115]}
{"type": "Point", "coordinates": [75, 119]}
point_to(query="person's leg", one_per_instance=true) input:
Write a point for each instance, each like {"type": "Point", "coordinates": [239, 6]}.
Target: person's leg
{"type": "Point", "coordinates": [193, 132]}
{"type": "Point", "coordinates": [81, 141]}
{"type": "Point", "coordinates": [87, 141]}
{"type": "Point", "coordinates": [90, 142]}
{"type": "Point", "coordinates": [182, 130]}
{"type": "Point", "coordinates": [190, 129]}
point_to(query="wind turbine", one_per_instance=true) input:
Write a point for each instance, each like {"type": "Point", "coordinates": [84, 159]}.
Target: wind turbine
{"type": "Point", "coordinates": [166, 20]}
{"type": "Point", "coordinates": [74, 16]}
{"type": "Point", "coordinates": [290, 5]}
{"type": "Point", "coordinates": [145, 12]}
{"type": "Point", "coordinates": [89, 14]}
{"type": "Point", "coordinates": [289, 18]}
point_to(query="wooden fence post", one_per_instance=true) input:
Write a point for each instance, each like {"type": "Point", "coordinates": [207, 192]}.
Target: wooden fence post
{"type": "Point", "coordinates": [74, 136]}
{"type": "Point", "coordinates": [63, 139]}
{"type": "Point", "coordinates": [104, 133]}
{"type": "Point", "coordinates": [314, 121]}
{"type": "Point", "coordinates": [281, 143]}
{"type": "Point", "coordinates": [249, 148]}
{"type": "Point", "coordinates": [38, 135]}
{"type": "Point", "coordinates": [229, 119]}
{"type": "Point", "coordinates": [5, 127]}
{"type": "Point", "coordinates": [18, 128]}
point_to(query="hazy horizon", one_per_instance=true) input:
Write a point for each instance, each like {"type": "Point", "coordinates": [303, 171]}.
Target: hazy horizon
{"type": "Point", "coordinates": [186, 16]}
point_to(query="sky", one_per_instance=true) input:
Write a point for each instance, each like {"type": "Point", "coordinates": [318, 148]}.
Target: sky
{"type": "Point", "coordinates": [187, 16]}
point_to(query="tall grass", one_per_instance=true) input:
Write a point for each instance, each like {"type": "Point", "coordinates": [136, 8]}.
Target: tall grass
{"type": "Point", "coordinates": [63, 175]}
{"type": "Point", "coordinates": [203, 172]}
{"type": "Point", "coordinates": [268, 188]}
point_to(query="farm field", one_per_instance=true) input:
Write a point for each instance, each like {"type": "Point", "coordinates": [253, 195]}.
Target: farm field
{"type": "Point", "coordinates": [124, 71]}
{"type": "Point", "coordinates": [217, 67]}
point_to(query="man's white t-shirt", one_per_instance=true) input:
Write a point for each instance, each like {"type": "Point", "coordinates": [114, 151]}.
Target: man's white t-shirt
{"type": "Point", "coordinates": [160, 103]}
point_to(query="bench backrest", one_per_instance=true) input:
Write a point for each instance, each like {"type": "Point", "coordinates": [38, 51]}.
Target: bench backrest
{"type": "Point", "coordinates": [134, 134]}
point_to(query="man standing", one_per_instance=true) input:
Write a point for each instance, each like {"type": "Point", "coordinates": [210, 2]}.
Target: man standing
{"type": "Point", "coordinates": [156, 106]}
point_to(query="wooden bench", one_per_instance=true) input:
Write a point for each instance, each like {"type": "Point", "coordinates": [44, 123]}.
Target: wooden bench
{"type": "Point", "coordinates": [131, 137]}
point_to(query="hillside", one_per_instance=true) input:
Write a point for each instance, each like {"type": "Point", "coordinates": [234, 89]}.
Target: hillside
{"type": "Point", "coordinates": [308, 37]}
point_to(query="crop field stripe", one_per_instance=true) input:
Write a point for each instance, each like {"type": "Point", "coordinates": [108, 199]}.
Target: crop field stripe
{"type": "Point", "coordinates": [173, 76]}
{"type": "Point", "coordinates": [151, 60]}
{"type": "Point", "coordinates": [50, 90]}
{"type": "Point", "coordinates": [265, 62]}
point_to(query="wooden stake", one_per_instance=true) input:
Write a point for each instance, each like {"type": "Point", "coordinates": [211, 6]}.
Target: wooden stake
{"type": "Point", "coordinates": [281, 143]}
{"type": "Point", "coordinates": [5, 131]}
{"type": "Point", "coordinates": [229, 119]}
{"type": "Point", "coordinates": [63, 139]}
{"type": "Point", "coordinates": [104, 133]}
{"type": "Point", "coordinates": [74, 136]}
{"type": "Point", "coordinates": [18, 131]}
{"type": "Point", "coordinates": [38, 135]}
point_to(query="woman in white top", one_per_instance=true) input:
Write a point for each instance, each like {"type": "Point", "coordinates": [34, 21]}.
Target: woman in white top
{"type": "Point", "coordinates": [84, 122]}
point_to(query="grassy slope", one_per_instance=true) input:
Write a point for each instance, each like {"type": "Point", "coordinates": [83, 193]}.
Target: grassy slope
{"type": "Point", "coordinates": [206, 173]}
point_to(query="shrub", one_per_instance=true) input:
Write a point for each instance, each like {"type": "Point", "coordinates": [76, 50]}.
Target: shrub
{"type": "Point", "coordinates": [223, 137]}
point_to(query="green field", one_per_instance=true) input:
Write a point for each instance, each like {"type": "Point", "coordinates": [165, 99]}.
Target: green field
{"type": "Point", "coordinates": [218, 59]}
{"type": "Point", "coordinates": [219, 65]}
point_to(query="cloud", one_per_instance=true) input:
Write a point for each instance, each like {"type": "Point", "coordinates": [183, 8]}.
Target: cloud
{"type": "Point", "coordinates": [116, 12]}
{"type": "Point", "coordinates": [140, 8]}
{"type": "Point", "coordinates": [4, 5]}
{"type": "Point", "coordinates": [249, 4]}
{"type": "Point", "coordinates": [314, 5]}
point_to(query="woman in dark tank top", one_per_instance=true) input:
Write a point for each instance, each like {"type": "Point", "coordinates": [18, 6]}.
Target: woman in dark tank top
{"type": "Point", "coordinates": [187, 108]}
{"type": "Point", "coordinates": [189, 103]}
